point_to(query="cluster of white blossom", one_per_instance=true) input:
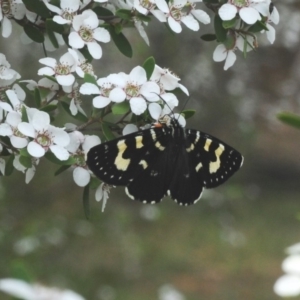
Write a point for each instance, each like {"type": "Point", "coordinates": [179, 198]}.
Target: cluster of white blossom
{"type": "Point", "coordinates": [87, 29]}
{"type": "Point", "coordinates": [288, 285]}
{"type": "Point", "coordinates": [249, 13]}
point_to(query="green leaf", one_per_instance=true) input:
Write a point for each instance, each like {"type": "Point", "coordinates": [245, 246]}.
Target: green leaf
{"type": "Point", "coordinates": [121, 42]}
{"type": "Point", "coordinates": [52, 38]}
{"type": "Point", "coordinates": [24, 117]}
{"type": "Point", "coordinates": [102, 12]}
{"type": "Point", "coordinates": [61, 169]}
{"type": "Point", "coordinates": [37, 97]}
{"type": "Point", "coordinates": [38, 7]}
{"type": "Point", "coordinates": [53, 26]}
{"type": "Point", "coordinates": [34, 33]}
{"type": "Point", "coordinates": [107, 132]}
{"type": "Point", "coordinates": [221, 32]}
{"type": "Point", "coordinates": [51, 157]}
{"type": "Point", "coordinates": [188, 113]}
{"type": "Point", "coordinates": [49, 107]}
{"type": "Point", "coordinates": [90, 78]}
{"type": "Point", "coordinates": [143, 18]}
{"type": "Point", "coordinates": [289, 118]}
{"type": "Point", "coordinates": [79, 116]}
{"type": "Point", "coordinates": [26, 161]}
{"type": "Point", "coordinates": [229, 24]}
{"type": "Point", "coordinates": [24, 152]}
{"type": "Point", "coordinates": [124, 14]}
{"type": "Point", "coordinates": [85, 201]}
{"type": "Point", "coordinates": [208, 37]}
{"type": "Point", "coordinates": [9, 167]}
{"type": "Point", "coordinates": [149, 65]}
{"type": "Point", "coordinates": [94, 183]}
{"type": "Point", "coordinates": [258, 26]}
{"type": "Point", "coordinates": [120, 108]}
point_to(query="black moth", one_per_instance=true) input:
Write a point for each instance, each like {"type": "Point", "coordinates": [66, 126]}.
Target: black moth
{"type": "Point", "coordinates": [164, 160]}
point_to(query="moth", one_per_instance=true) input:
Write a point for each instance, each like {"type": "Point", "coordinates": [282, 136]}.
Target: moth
{"type": "Point", "coordinates": [165, 159]}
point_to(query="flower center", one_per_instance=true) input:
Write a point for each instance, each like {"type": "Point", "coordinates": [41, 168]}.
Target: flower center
{"type": "Point", "coordinates": [79, 158]}
{"type": "Point", "coordinates": [86, 34]}
{"type": "Point", "coordinates": [17, 133]}
{"type": "Point", "coordinates": [106, 89]}
{"type": "Point", "coordinates": [132, 90]}
{"type": "Point", "coordinates": [87, 67]}
{"type": "Point", "coordinates": [240, 3]}
{"type": "Point", "coordinates": [6, 8]}
{"type": "Point", "coordinates": [68, 14]}
{"type": "Point", "coordinates": [149, 5]}
{"type": "Point", "coordinates": [176, 13]}
{"type": "Point", "coordinates": [44, 139]}
{"type": "Point", "coordinates": [62, 69]}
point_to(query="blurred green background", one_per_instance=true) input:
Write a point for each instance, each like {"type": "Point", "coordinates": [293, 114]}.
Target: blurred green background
{"type": "Point", "coordinates": [230, 245]}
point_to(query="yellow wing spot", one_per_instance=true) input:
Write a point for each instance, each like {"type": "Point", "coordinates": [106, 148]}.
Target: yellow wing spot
{"type": "Point", "coordinates": [120, 162]}
{"type": "Point", "coordinates": [144, 164]}
{"type": "Point", "coordinates": [153, 134]}
{"type": "Point", "coordinates": [159, 146]}
{"type": "Point", "coordinates": [191, 148]}
{"type": "Point", "coordinates": [215, 165]}
{"type": "Point", "coordinates": [139, 142]}
{"type": "Point", "coordinates": [198, 167]}
{"type": "Point", "coordinates": [207, 144]}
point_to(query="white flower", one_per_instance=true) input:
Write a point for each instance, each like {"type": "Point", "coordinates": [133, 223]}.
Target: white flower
{"type": "Point", "coordinates": [167, 80]}
{"type": "Point", "coordinates": [79, 146]}
{"type": "Point", "coordinates": [248, 10]}
{"type": "Point", "coordinates": [45, 136]}
{"type": "Point", "coordinates": [68, 9]}
{"type": "Point", "coordinates": [139, 27]}
{"type": "Point", "coordinates": [107, 92]}
{"type": "Point", "coordinates": [10, 9]}
{"type": "Point", "coordinates": [158, 113]}
{"type": "Point", "coordinates": [6, 73]}
{"type": "Point", "coordinates": [144, 7]}
{"type": "Point", "coordinates": [45, 84]}
{"type": "Point", "coordinates": [288, 285]}
{"type": "Point", "coordinates": [75, 104]}
{"type": "Point", "coordinates": [227, 53]}
{"type": "Point", "coordinates": [130, 128]}
{"type": "Point", "coordinates": [87, 32]}
{"type": "Point", "coordinates": [2, 164]}
{"type": "Point", "coordinates": [102, 193]}
{"type": "Point", "coordinates": [29, 172]}
{"type": "Point", "coordinates": [135, 88]}
{"type": "Point", "coordinates": [10, 129]}
{"type": "Point", "coordinates": [273, 17]}
{"type": "Point", "coordinates": [182, 11]}
{"type": "Point", "coordinates": [26, 291]}
{"type": "Point", "coordinates": [62, 70]}
{"type": "Point", "coordinates": [82, 65]}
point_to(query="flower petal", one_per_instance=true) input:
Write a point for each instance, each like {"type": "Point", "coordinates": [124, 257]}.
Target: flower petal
{"type": "Point", "coordinates": [81, 176]}
{"type": "Point", "coordinates": [101, 34]}
{"type": "Point", "coordinates": [227, 12]}
{"type": "Point", "coordinates": [249, 15]}
{"type": "Point", "coordinates": [100, 101]}
{"type": "Point", "coordinates": [138, 105]}
{"type": "Point", "coordinates": [287, 286]}
{"type": "Point", "coordinates": [35, 149]}
{"type": "Point", "coordinates": [60, 152]}
{"type": "Point", "coordinates": [174, 25]}
{"type": "Point", "coordinates": [95, 50]}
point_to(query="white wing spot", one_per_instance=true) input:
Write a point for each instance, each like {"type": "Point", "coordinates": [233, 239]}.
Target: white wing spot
{"type": "Point", "coordinates": [207, 144]}
{"type": "Point", "coordinates": [144, 164]}
{"type": "Point", "coordinates": [159, 146]}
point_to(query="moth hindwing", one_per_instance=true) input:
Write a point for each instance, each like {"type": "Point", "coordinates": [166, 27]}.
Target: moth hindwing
{"type": "Point", "coordinates": [165, 160]}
